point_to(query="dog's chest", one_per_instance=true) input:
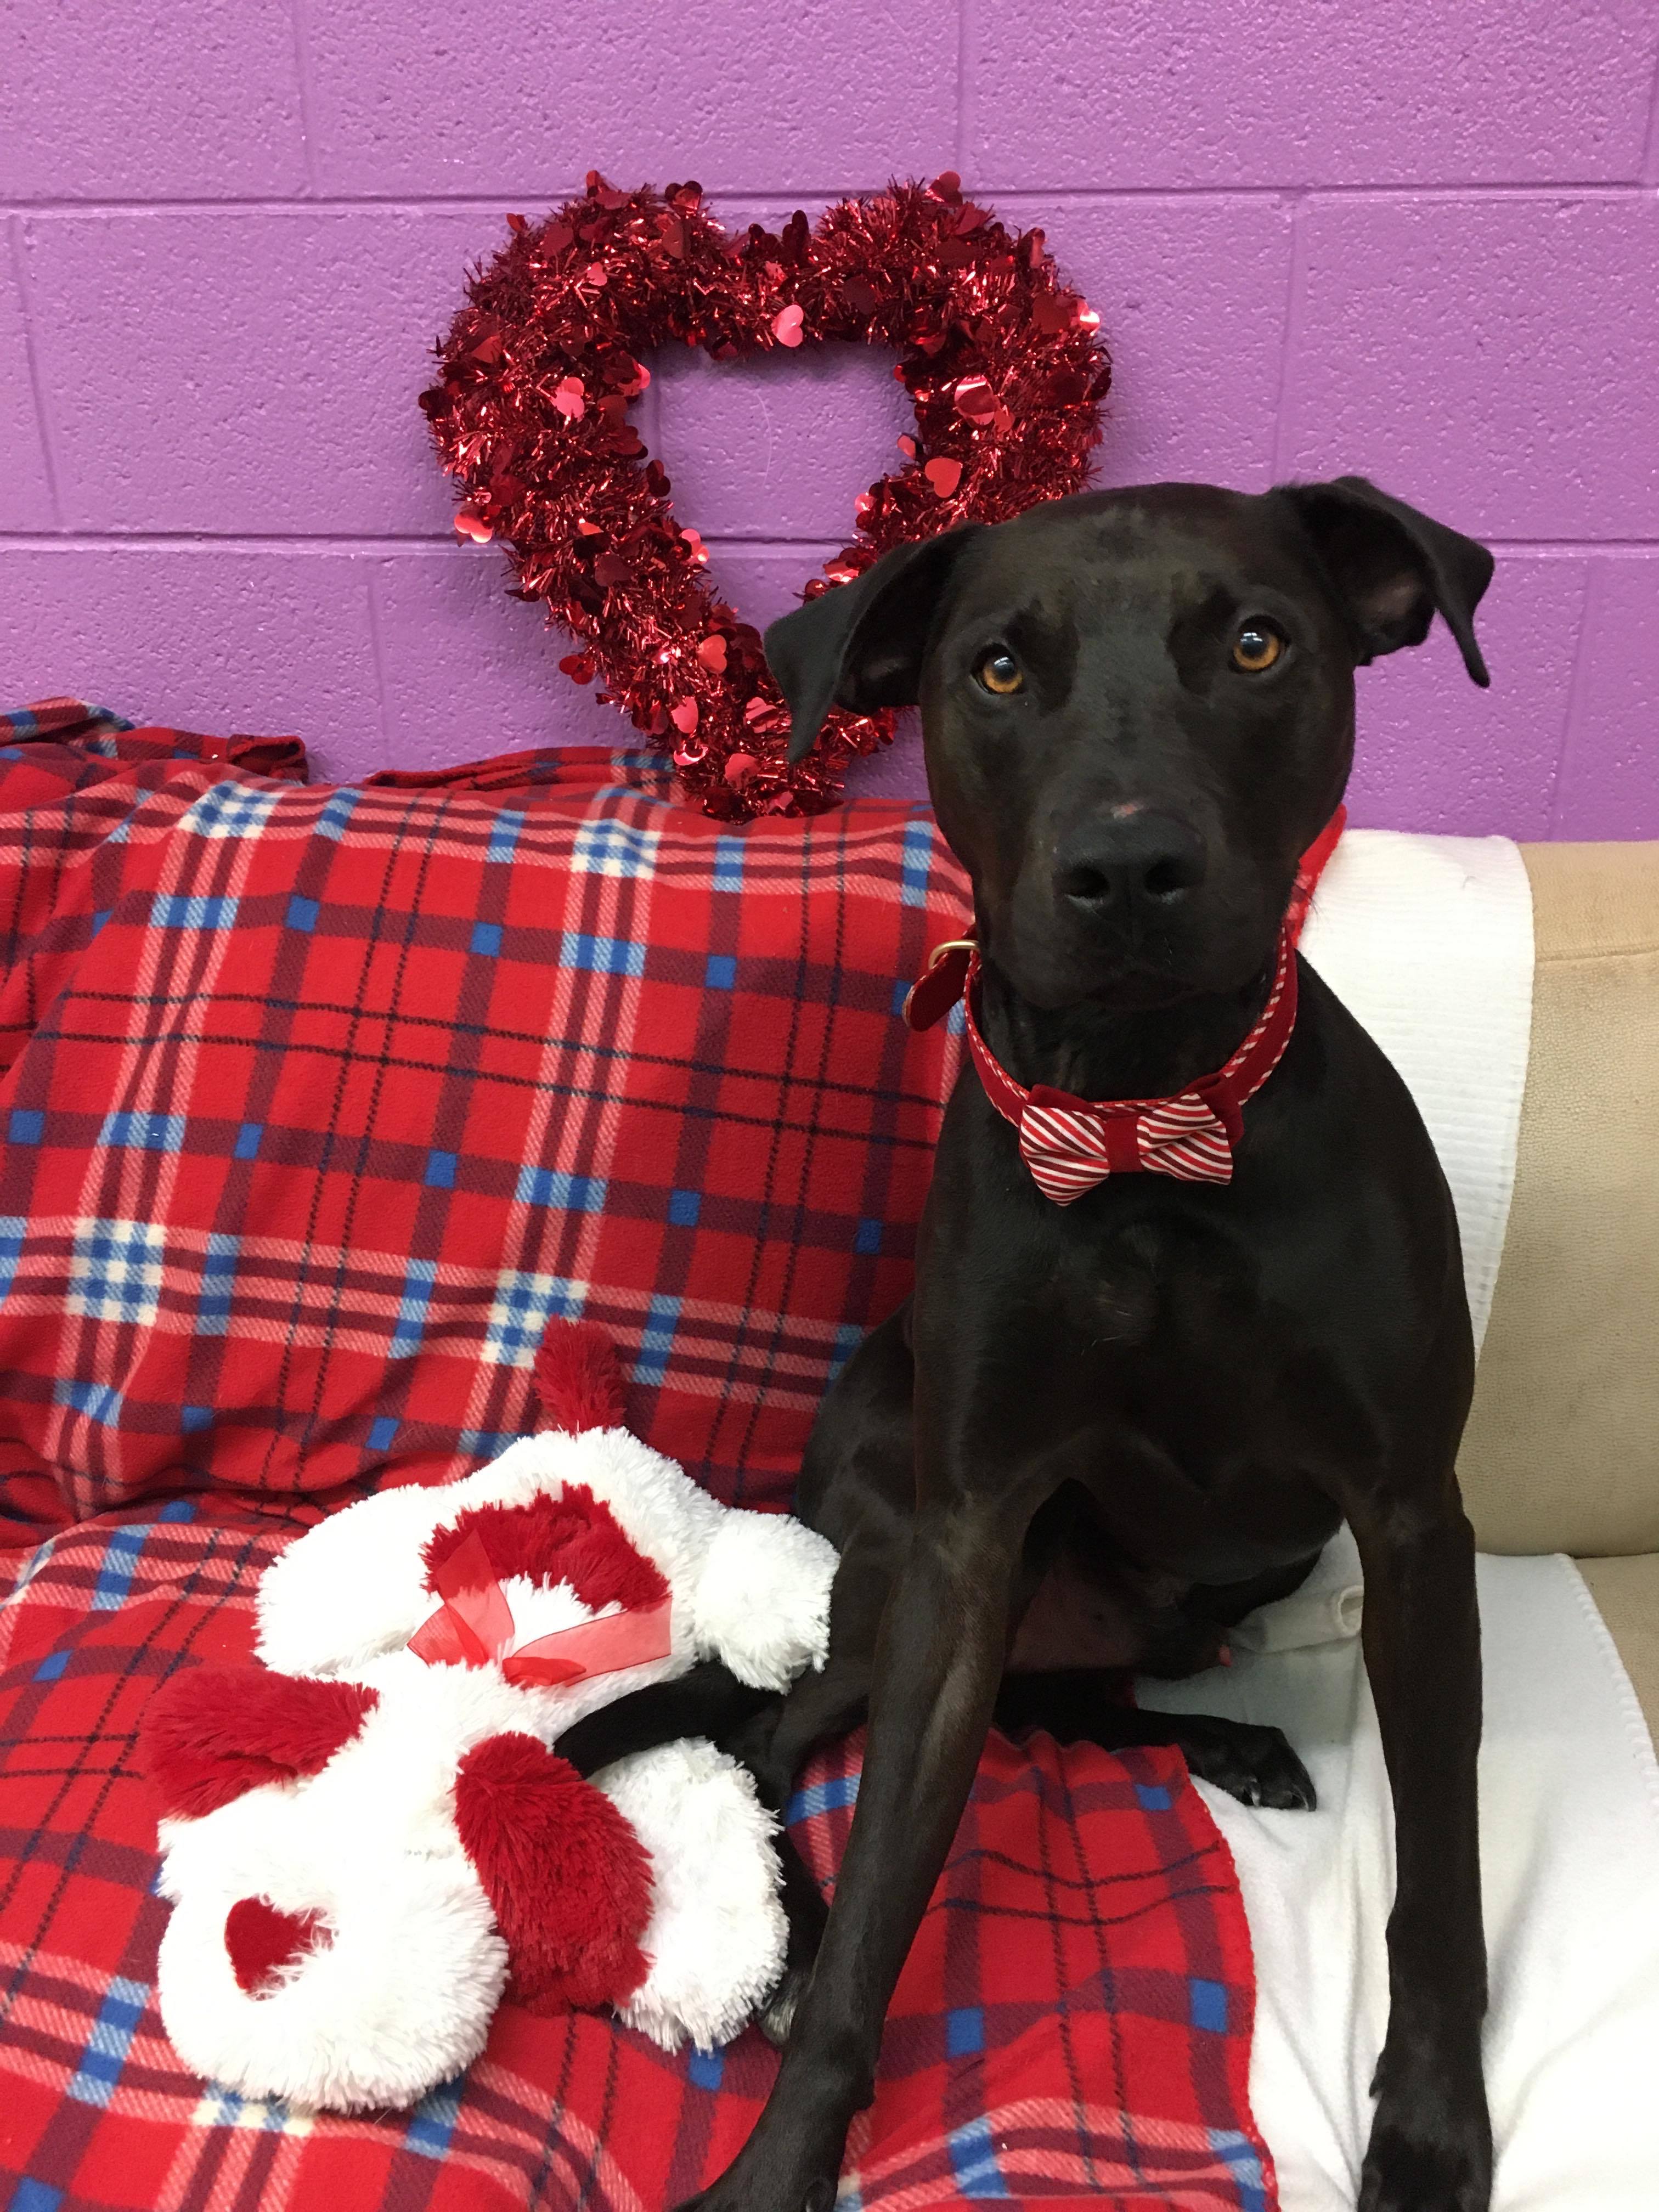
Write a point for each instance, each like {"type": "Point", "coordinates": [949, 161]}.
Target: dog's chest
{"type": "Point", "coordinates": [1116, 1301]}
{"type": "Point", "coordinates": [1136, 1300]}
{"type": "Point", "coordinates": [1178, 1350]}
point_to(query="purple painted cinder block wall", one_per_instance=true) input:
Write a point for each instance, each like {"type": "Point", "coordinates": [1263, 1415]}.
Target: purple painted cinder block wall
{"type": "Point", "coordinates": [1415, 238]}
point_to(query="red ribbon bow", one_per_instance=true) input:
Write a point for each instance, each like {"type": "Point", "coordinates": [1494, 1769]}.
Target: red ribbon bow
{"type": "Point", "coordinates": [474, 1625]}
{"type": "Point", "coordinates": [1072, 1144]}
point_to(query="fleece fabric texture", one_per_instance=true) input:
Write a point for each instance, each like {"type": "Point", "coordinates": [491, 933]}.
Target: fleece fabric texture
{"type": "Point", "coordinates": [315, 1105]}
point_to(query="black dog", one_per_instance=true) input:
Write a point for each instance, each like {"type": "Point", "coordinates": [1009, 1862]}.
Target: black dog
{"type": "Point", "coordinates": [1103, 1431]}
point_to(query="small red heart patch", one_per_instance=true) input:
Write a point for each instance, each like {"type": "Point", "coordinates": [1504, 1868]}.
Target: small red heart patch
{"type": "Point", "coordinates": [261, 1940]}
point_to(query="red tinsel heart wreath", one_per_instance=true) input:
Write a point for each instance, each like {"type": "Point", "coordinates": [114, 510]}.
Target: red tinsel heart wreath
{"type": "Point", "coordinates": [1002, 361]}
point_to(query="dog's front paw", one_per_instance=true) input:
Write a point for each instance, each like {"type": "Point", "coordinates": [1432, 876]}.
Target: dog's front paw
{"type": "Point", "coordinates": [1255, 1765]}
{"type": "Point", "coordinates": [790, 2164]}
{"type": "Point", "coordinates": [1412, 2167]}
{"type": "Point", "coordinates": [1431, 2146]}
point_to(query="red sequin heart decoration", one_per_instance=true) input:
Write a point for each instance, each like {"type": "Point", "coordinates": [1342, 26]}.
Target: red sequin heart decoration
{"type": "Point", "coordinates": [1003, 363]}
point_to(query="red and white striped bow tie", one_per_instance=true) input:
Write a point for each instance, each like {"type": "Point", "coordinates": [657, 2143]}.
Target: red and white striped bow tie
{"type": "Point", "coordinates": [1070, 1143]}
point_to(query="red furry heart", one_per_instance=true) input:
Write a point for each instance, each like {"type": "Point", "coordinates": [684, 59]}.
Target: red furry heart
{"type": "Point", "coordinates": [209, 1734]}
{"type": "Point", "coordinates": [573, 1538]}
{"type": "Point", "coordinates": [567, 1879]}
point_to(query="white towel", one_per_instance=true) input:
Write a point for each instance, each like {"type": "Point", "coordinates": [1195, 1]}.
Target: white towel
{"type": "Point", "coordinates": [1428, 942]}
{"type": "Point", "coordinates": [1569, 1869]}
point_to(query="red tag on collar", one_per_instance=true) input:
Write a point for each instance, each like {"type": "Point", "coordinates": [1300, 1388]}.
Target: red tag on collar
{"type": "Point", "coordinates": [1312, 868]}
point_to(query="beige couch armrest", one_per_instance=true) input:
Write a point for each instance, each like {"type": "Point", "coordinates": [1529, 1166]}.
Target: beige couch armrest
{"type": "Point", "coordinates": [1562, 1451]}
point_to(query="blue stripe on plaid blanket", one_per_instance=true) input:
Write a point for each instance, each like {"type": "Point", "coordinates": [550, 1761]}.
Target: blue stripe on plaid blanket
{"type": "Point", "coordinates": [432, 2123]}
{"type": "Point", "coordinates": [831, 1796]}
{"type": "Point", "coordinates": [1245, 2166]}
{"type": "Point", "coordinates": [109, 2040]}
{"type": "Point", "coordinates": [973, 2161]}
{"type": "Point", "coordinates": [121, 1554]}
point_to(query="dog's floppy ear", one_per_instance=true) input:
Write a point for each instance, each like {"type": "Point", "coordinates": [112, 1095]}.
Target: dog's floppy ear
{"type": "Point", "coordinates": [1393, 567]}
{"type": "Point", "coordinates": [863, 644]}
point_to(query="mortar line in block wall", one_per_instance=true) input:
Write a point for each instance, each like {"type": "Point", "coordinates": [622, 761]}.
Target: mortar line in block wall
{"type": "Point", "coordinates": [228, 541]}
{"type": "Point", "coordinates": [963, 32]}
{"type": "Point", "coordinates": [340, 542]}
{"type": "Point", "coordinates": [1023, 199]}
{"type": "Point", "coordinates": [350, 544]}
{"type": "Point", "coordinates": [1290, 340]}
{"type": "Point", "coordinates": [384, 203]}
{"type": "Point", "coordinates": [1285, 187]}
{"type": "Point", "coordinates": [377, 656]}
{"type": "Point", "coordinates": [300, 26]}
{"type": "Point", "coordinates": [1578, 685]}
{"type": "Point", "coordinates": [37, 382]}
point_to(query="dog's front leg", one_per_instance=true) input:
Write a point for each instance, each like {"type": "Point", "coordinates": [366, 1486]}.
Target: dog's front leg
{"type": "Point", "coordinates": [1431, 2146]}
{"type": "Point", "coordinates": [938, 1657]}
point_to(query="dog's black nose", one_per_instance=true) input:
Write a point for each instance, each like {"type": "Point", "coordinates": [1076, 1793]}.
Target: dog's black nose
{"type": "Point", "coordinates": [1146, 860]}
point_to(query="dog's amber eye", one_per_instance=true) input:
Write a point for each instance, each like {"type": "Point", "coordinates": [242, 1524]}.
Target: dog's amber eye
{"type": "Point", "coordinates": [1257, 646]}
{"type": "Point", "coordinates": [999, 673]}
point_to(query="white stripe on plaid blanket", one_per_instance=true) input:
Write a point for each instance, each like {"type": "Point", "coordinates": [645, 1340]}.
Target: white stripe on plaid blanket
{"type": "Point", "coordinates": [357, 1300]}
{"type": "Point", "coordinates": [1043, 2139]}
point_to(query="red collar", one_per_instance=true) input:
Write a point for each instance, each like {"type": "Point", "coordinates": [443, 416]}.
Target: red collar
{"type": "Point", "coordinates": [1070, 1143]}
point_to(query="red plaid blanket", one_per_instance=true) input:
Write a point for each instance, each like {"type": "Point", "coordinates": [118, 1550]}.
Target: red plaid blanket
{"type": "Point", "coordinates": [314, 1105]}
